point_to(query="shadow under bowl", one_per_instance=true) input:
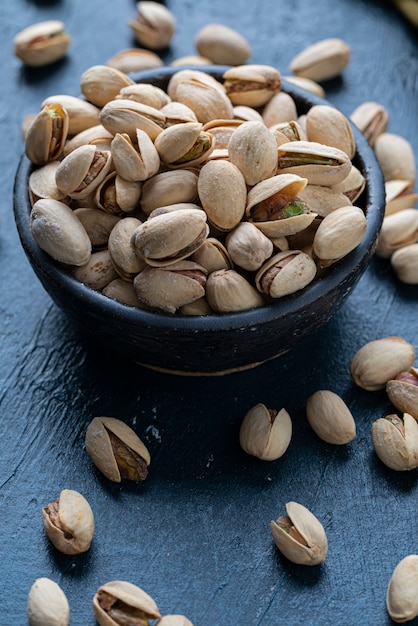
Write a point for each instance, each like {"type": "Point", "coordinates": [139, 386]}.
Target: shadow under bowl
{"type": "Point", "coordinates": [215, 344]}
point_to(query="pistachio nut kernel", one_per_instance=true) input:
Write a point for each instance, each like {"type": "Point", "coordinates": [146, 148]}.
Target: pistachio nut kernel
{"type": "Point", "coordinates": [116, 450]}
{"type": "Point", "coordinates": [154, 25]}
{"type": "Point", "coordinates": [42, 43]}
{"type": "Point", "coordinates": [222, 45]}
{"type": "Point", "coordinates": [338, 234]}
{"type": "Point", "coordinates": [405, 264]}
{"type": "Point", "coordinates": [47, 604]}
{"type": "Point", "coordinates": [403, 392]}
{"type": "Point", "coordinates": [69, 522]}
{"type": "Point", "coordinates": [396, 441]}
{"type": "Point", "coordinates": [402, 591]}
{"type": "Point", "coordinates": [120, 603]}
{"type": "Point", "coordinates": [174, 620]}
{"type": "Point", "coordinates": [46, 136]}
{"type": "Point", "coordinates": [285, 273]}
{"type": "Point", "coordinates": [330, 418]}
{"type": "Point", "coordinates": [251, 85]}
{"type": "Point", "coordinates": [300, 536]}
{"type": "Point", "coordinates": [322, 60]}
{"type": "Point", "coordinates": [229, 292]}
{"type": "Point", "coordinates": [381, 360]}
{"type": "Point", "coordinates": [265, 433]}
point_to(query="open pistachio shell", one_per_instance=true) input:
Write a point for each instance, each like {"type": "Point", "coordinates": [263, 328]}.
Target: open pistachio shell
{"type": "Point", "coordinates": [81, 114]}
{"type": "Point", "coordinates": [153, 25]}
{"type": "Point", "coordinates": [396, 441]}
{"type": "Point", "coordinates": [69, 522]}
{"type": "Point", "coordinates": [285, 273]}
{"type": "Point", "coordinates": [118, 601]}
{"type": "Point", "coordinates": [399, 195]}
{"type": "Point", "coordinates": [403, 392]}
{"type": "Point", "coordinates": [46, 135]}
{"type": "Point", "coordinates": [42, 43]}
{"type": "Point", "coordinates": [265, 433]}
{"type": "Point", "coordinates": [81, 172]}
{"type": "Point", "coordinates": [319, 163]}
{"type": "Point", "coordinates": [252, 85]}
{"type": "Point", "coordinates": [126, 116]}
{"type": "Point", "coordinates": [184, 145]}
{"type": "Point", "coordinates": [135, 162]}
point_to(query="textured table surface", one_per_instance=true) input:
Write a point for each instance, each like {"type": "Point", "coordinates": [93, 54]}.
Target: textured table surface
{"type": "Point", "coordinates": [195, 535]}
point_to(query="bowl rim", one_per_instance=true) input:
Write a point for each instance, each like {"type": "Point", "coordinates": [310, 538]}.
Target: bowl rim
{"type": "Point", "coordinates": [289, 305]}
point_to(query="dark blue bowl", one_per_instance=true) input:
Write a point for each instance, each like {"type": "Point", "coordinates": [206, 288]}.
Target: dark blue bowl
{"type": "Point", "coordinates": [213, 344]}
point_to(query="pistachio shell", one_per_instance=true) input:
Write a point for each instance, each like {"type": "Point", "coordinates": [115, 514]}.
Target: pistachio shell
{"type": "Point", "coordinates": [323, 200]}
{"type": "Point", "coordinates": [404, 395]}
{"type": "Point", "coordinates": [135, 60]}
{"type": "Point", "coordinates": [42, 183]}
{"type": "Point", "coordinates": [168, 188]}
{"type": "Point", "coordinates": [339, 233]}
{"type": "Point", "coordinates": [47, 604]}
{"type": "Point", "coordinates": [121, 249]}
{"type": "Point", "coordinates": [396, 441]}
{"type": "Point", "coordinates": [327, 125]}
{"type": "Point", "coordinates": [207, 99]}
{"type": "Point", "coordinates": [91, 135]}
{"type": "Point", "coordinates": [253, 149]}
{"type": "Point", "coordinates": [398, 230]}
{"type": "Point", "coordinates": [396, 157]}
{"type": "Point", "coordinates": [184, 145]}
{"type": "Point", "coordinates": [222, 45]}
{"type": "Point", "coordinates": [372, 119]}
{"type": "Point", "coordinates": [42, 43]}
{"type": "Point", "coordinates": [223, 194]}
{"type": "Point", "coordinates": [253, 85]}
{"type": "Point", "coordinates": [330, 418]}
{"type": "Point", "coordinates": [402, 591]}
{"type": "Point", "coordinates": [81, 114]}
{"type": "Point", "coordinates": [381, 360]}
{"type": "Point", "coordinates": [46, 135]}
{"type": "Point", "coordinates": [81, 171]}
{"type": "Point", "coordinates": [154, 25]}
{"type": "Point", "coordinates": [285, 273]}
{"type": "Point", "coordinates": [399, 195]}
{"type": "Point", "coordinates": [69, 522]}
{"type": "Point", "coordinates": [248, 247]}
{"type": "Point", "coordinates": [280, 108]}
{"type": "Point", "coordinates": [122, 291]}
{"type": "Point", "coordinates": [97, 272]}
{"type": "Point", "coordinates": [174, 620]}
{"type": "Point", "coordinates": [100, 84]}
{"type": "Point", "coordinates": [126, 116]}
{"type": "Point", "coordinates": [322, 60]}
{"type": "Point", "coordinates": [135, 163]}
{"type": "Point", "coordinates": [228, 292]}
{"type": "Point", "coordinates": [144, 93]}
{"type": "Point", "coordinates": [320, 164]}
{"type": "Point", "coordinates": [405, 264]}
{"type": "Point", "coordinates": [132, 603]}
{"type": "Point", "coordinates": [212, 255]}
{"type": "Point", "coordinates": [307, 83]}
{"type": "Point", "coordinates": [265, 433]}
{"type": "Point", "coordinates": [98, 225]}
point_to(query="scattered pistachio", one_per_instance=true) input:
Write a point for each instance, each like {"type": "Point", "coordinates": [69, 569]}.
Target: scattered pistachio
{"type": "Point", "coordinates": [322, 60]}
{"type": "Point", "coordinates": [117, 603]}
{"type": "Point", "coordinates": [265, 433]}
{"type": "Point", "coordinates": [174, 620]}
{"type": "Point", "coordinates": [47, 604]}
{"type": "Point", "coordinates": [300, 536]}
{"type": "Point", "coordinates": [330, 418]}
{"type": "Point", "coordinates": [402, 591]}
{"type": "Point", "coordinates": [42, 43]}
{"type": "Point", "coordinates": [69, 522]}
{"type": "Point", "coordinates": [116, 450]}
{"type": "Point", "coordinates": [403, 392]}
{"type": "Point", "coordinates": [222, 45]}
{"type": "Point", "coordinates": [396, 441]}
{"type": "Point", "coordinates": [154, 25]}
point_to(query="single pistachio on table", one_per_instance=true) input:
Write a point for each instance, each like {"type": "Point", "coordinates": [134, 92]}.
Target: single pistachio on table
{"type": "Point", "coordinates": [338, 234]}
{"type": "Point", "coordinates": [248, 247]}
{"type": "Point", "coordinates": [120, 602]}
{"type": "Point", "coordinates": [81, 172]}
{"type": "Point", "coordinates": [399, 195]}
{"type": "Point", "coordinates": [222, 45]}
{"type": "Point", "coordinates": [396, 441]}
{"type": "Point", "coordinates": [42, 43]}
{"type": "Point", "coordinates": [135, 60]}
{"type": "Point", "coordinates": [69, 522]}
{"type": "Point", "coordinates": [253, 149]}
{"type": "Point", "coordinates": [223, 193]}
{"type": "Point", "coordinates": [174, 620]}
{"type": "Point", "coordinates": [405, 264]}
{"type": "Point", "coordinates": [327, 125]}
{"type": "Point", "coordinates": [100, 84]}
{"type": "Point", "coordinates": [265, 433]}
{"type": "Point", "coordinates": [402, 391]}
{"type": "Point", "coordinates": [59, 232]}
{"type": "Point", "coordinates": [397, 231]}
{"type": "Point", "coordinates": [46, 136]}
{"type": "Point", "coordinates": [229, 292]}
{"type": "Point", "coordinates": [47, 604]}
{"type": "Point", "coordinates": [395, 156]}
{"type": "Point", "coordinates": [252, 85]}
{"type": "Point", "coordinates": [134, 163]}
{"type": "Point", "coordinates": [322, 60]}
{"type": "Point", "coordinates": [285, 273]}
{"type": "Point", "coordinates": [97, 272]}
{"type": "Point", "coordinates": [300, 536]}
{"type": "Point", "coordinates": [402, 590]}
{"type": "Point", "coordinates": [153, 25]}
{"type": "Point", "coordinates": [381, 360]}
{"type": "Point", "coordinates": [330, 418]}
{"type": "Point", "coordinates": [116, 450]}
{"type": "Point", "coordinates": [372, 119]}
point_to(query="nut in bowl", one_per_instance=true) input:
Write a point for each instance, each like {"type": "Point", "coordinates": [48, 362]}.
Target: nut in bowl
{"type": "Point", "coordinates": [233, 324]}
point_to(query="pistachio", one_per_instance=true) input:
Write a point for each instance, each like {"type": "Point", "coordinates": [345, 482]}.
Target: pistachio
{"type": "Point", "coordinates": [300, 536]}
{"type": "Point", "coordinates": [59, 232]}
{"type": "Point", "coordinates": [177, 113]}
{"type": "Point", "coordinates": [42, 183]}
{"type": "Point", "coordinates": [126, 116]}
{"type": "Point", "coordinates": [135, 60]}
{"type": "Point", "coordinates": [190, 59]}
{"type": "Point", "coordinates": [244, 113]}
{"type": "Point", "coordinates": [42, 43]}
{"type": "Point", "coordinates": [323, 200]}
{"type": "Point", "coordinates": [322, 60]}
{"type": "Point", "coordinates": [47, 604]}
{"type": "Point", "coordinates": [396, 441]}
{"type": "Point", "coordinates": [116, 450]}
{"type": "Point", "coordinates": [395, 156]}
{"type": "Point", "coordinates": [69, 522]}
{"type": "Point", "coordinates": [117, 195]}
{"type": "Point", "coordinates": [402, 591]}
{"type": "Point", "coordinates": [399, 195]}
{"type": "Point", "coordinates": [98, 225]}
{"type": "Point", "coordinates": [398, 230]}
{"type": "Point", "coordinates": [222, 131]}
{"type": "Point", "coordinates": [222, 45]}
{"type": "Point", "coordinates": [117, 603]}
{"type": "Point", "coordinates": [81, 171]}
{"type": "Point", "coordinates": [381, 360]}
{"type": "Point", "coordinates": [372, 119]}
{"type": "Point", "coordinates": [100, 84]}
{"type": "Point", "coordinates": [285, 273]}
{"type": "Point", "coordinates": [144, 93]}
{"type": "Point", "coordinates": [154, 25]}
{"type": "Point", "coordinates": [248, 247]}
{"type": "Point", "coordinates": [121, 249]}
{"type": "Point", "coordinates": [252, 85]}
{"type": "Point", "coordinates": [253, 149]}
{"type": "Point", "coordinates": [198, 307]}
{"type": "Point", "coordinates": [352, 186]}
{"type": "Point", "coordinates": [404, 262]}
{"type": "Point", "coordinates": [280, 108]}
{"type": "Point", "coordinates": [229, 292]}
{"type": "Point", "coordinates": [135, 162]}
{"type": "Point", "coordinates": [330, 418]}
{"type": "Point", "coordinates": [46, 136]}
{"type": "Point", "coordinates": [94, 135]}
{"type": "Point", "coordinates": [265, 433]}
{"type": "Point", "coordinates": [122, 291]}
{"type": "Point", "coordinates": [81, 114]}
{"type": "Point", "coordinates": [402, 391]}
{"type": "Point", "coordinates": [174, 620]}
{"type": "Point", "coordinates": [306, 83]}
{"type": "Point", "coordinates": [327, 125]}
{"type": "Point", "coordinates": [223, 194]}
{"type": "Point", "coordinates": [212, 255]}
{"type": "Point", "coordinates": [319, 163]}
{"type": "Point", "coordinates": [339, 233]}
{"type": "Point", "coordinates": [184, 145]}
{"type": "Point", "coordinates": [167, 188]}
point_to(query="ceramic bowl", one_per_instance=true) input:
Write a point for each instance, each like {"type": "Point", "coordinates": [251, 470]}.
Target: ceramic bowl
{"type": "Point", "coordinates": [213, 344]}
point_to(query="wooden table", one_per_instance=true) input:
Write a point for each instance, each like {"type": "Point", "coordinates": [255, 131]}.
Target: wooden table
{"type": "Point", "coordinates": [195, 535]}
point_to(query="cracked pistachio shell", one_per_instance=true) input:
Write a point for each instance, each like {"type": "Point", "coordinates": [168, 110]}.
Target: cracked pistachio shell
{"type": "Point", "coordinates": [184, 145]}
{"type": "Point", "coordinates": [300, 536]}
{"type": "Point", "coordinates": [42, 183]}
{"type": "Point", "coordinates": [372, 119]}
{"type": "Point", "coordinates": [352, 186]}
{"type": "Point", "coordinates": [121, 249]}
{"type": "Point", "coordinates": [222, 131]}
{"type": "Point", "coordinates": [327, 125]}
{"type": "Point", "coordinates": [322, 60]}
{"type": "Point", "coordinates": [396, 441]}
{"type": "Point", "coordinates": [265, 433]}
{"type": "Point", "coordinates": [59, 232]}
{"type": "Point", "coordinates": [223, 194]}
{"type": "Point", "coordinates": [251, 85]}
{"type": "Point", "coordinates": [126, 116]}
{"type": "Point", "coordinates": [285, 273]}
{"type": "Point", "coordinates": [403, 392]}
{"type": "Point", "coordinates": [202, 93]}
{"type": "Point", "coordinates": [174, 620]}
{"type": "Point", "coordinates": [253, 149]}
{"type": "Point", "coordinates": [91, 135]}
{"type": "Point", "coordinates": [248, 247]}
{"type": "Point", "coordinates": [338, 234]}
{"type": "Point", "coordinates": [98, 225]}
{"type": "Point", "coordinates": [135, 60]}
{"type": "Point", "coordinates": [171, 236]}
{"type": "Point", "coordinates": [120, 602]}
{"type": "Point", "coordinates": [47, 604]}
{"type": "Point", "coordinates": [100, 84]}
{"type": "Point", "coordinates": [135, 162]}
{"type": "Point", "coordinates": [165, 188]}
{"type": "Point", "coordinates": [396, 157]}
{"type": "Point", "coordinates": [69, 522]}
{"type": "Point", "coordinates": [42, 43]}
{"type": "Point", "coordinates": [153, 26]}
{"type": "Point", "coordinates": [116, 450]}
{"type": "Point", "coordinates": [212, 255]}
{"type": "Point", "coordinates": [46, 135]}
{"type": "Point", "coordinates": [330, 418]}
{"type": "Point", "coordinates": [288, 131]}
{"type": "Point", "coordinates": [81, 171]}
{"type": "Point", "coordinates": [267, 202]}
{"type": "Point", "coordinates": [81, 114]}
{"type": "Point", "coordinates": [144, 93]}
{"type": "Point", "coordinates": [229, 292]}
{"type": "Point", "coordinates": [222, 45]}
{"type": "Point", "coordinates": [97, 272]}
{"type": "Point", "coordinates": [399, 195]}
{"type": "Point", "coordinates": [323, 200]}
{"type": "Point", "coordinates": [320, 164]}
{"type": "Point", "coordinates": [402, 591]}
{"type": "Point", "coordinates": [177, 113]}
{"type": "Point", "coordinates": [117, 195]}
{"type": "Point", "coordinates": [398, 230]}
{"type": "Point", "coordinates": [381, 360]}
{"type": "Point", "coordinates": [405, 264]}
{"type": "Point", "coordinates": [169, 288]}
